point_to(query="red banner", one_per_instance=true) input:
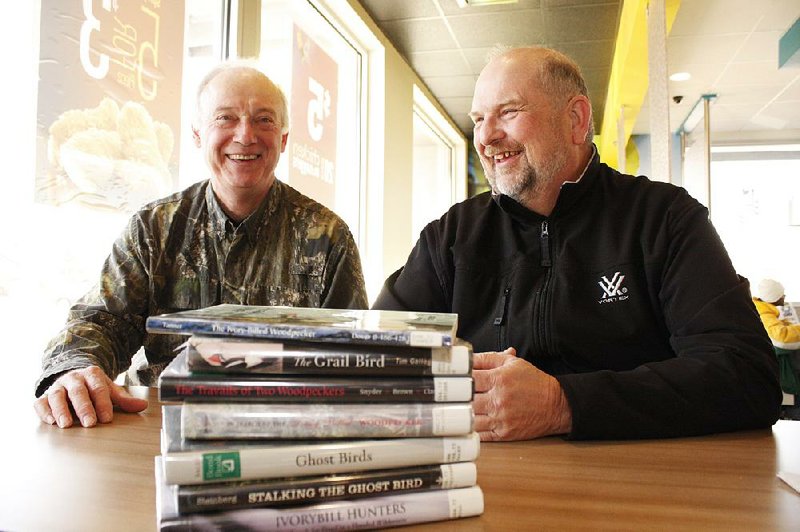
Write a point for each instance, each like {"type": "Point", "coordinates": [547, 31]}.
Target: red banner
{"type": "Point", "coordinates": [312, 137]}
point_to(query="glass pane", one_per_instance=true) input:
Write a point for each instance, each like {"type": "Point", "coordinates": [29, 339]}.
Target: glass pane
{"type": "Point", "coordinates": [104, 93]}
{"type": "Point", "coordinates": [432, 179]}
{"type": "Point", "coordinates": [203, 50]}
{"type": "Point", "coordinates": [109, 103]}
{"type": "Point", "coordinates": [319, 70]}
{"type": "Point", "coordinates": [756, 201]}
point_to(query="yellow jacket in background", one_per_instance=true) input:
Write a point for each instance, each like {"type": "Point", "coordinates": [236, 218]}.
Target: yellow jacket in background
{"type": "Point", "coordinates": [782, 333]}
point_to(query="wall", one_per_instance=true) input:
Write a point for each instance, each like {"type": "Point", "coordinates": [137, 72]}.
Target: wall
{"type": "Point", "coordinates": [389, 151]}
{"type": "Point", "coordinates": [398, 162]}
{"type": "Point", "coordinates": [640, 162]}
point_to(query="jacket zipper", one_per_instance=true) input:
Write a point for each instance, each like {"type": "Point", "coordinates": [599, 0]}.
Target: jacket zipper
{"type": "Point", "coordinates": [544, 242]}
{"type": "Point", "coordinates": [499, 321]}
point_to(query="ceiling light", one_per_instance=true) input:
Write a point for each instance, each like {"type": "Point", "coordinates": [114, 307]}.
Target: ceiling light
{"type": "Point", "coordinates": [680, 76]}
{"type": "Point", "coordinates": [467, 3]}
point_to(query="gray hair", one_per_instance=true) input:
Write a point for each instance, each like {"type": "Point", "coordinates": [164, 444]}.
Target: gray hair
{"type": "Point", "coordinates": [559, 76]}
{"type": "Point", "coordinates": [251, 66]}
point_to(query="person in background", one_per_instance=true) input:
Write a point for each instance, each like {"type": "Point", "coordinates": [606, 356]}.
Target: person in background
{"type": "Point", "coordinates": [600, 305]}
{"type": "Point", "coordinates": [240, 237]}
{"type": "Point", "coordinates": [768, 297]}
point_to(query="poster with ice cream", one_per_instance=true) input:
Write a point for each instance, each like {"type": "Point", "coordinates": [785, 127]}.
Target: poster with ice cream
{"type": "Point", "coordinates": [108, 114]}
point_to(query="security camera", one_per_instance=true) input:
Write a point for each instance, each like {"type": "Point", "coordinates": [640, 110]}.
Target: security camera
{"type": "Point", "coordinates": [677, 99]}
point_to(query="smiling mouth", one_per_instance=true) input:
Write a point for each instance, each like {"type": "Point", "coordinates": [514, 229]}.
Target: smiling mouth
{"type": "Point", "coordinates": [242, 157]}
{"type": "Point", "coordinates": [503, 155]}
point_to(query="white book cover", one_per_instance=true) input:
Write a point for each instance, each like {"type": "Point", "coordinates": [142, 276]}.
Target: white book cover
{"type": "Point", "coordinates": [318, 420]}
{"type": "Point", "coordinates": [197, 462]}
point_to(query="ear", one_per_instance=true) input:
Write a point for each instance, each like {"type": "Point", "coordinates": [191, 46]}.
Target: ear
{"type": "Point", "coordinates": [284, 138]}
{"type": "Point", "coordinates": [580, 113]}
{"type": "Point", "coordinates": [196, 136]}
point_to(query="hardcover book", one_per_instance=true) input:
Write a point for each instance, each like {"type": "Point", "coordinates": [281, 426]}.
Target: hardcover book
{"type": "Point", "coordinates": [374, 327]}
{"type": "Point", "coordinates": [351, 514]}
{"type": "Point", "coordinates": [322, 420]}
{"type": "Point", "coordinates": [215, 354]}
{"type": "Point", "coordinates": [199, 461]}
{"type": "Point", "coordinates": [297, 491]}
{"type": "Point", "coordinates": [177, 383]}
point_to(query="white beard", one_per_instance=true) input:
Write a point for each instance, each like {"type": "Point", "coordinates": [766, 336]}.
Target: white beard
{"type": "Point", "coordinates": [528, 182]}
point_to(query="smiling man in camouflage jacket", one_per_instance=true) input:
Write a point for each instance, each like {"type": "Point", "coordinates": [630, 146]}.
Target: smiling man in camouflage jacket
{"type": "Point", "coordinates": [240, 237]}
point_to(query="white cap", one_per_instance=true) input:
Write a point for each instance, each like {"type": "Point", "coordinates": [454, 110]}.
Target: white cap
{"type": "Point", "coordinates": [769, 290]}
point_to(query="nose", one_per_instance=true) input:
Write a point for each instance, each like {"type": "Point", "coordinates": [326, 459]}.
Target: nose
{"type": "Point", "coordinates": [244, 133]}
{"type": "Point", "coordinates": [489, 132]}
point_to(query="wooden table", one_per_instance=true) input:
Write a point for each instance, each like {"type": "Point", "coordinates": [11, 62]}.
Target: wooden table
{"type": "Point", "coordinates": [102, 479]}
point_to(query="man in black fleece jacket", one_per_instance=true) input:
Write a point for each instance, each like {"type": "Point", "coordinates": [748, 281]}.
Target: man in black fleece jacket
{"type": "Point", "coordinates": [600, 305]}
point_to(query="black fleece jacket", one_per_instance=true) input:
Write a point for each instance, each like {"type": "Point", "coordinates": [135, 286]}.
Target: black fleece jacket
{"type": "Point", "coordinates": [625, 294]}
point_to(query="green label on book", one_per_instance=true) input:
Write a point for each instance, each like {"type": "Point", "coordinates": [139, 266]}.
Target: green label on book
{"type": "Point", "coordinates": [220, 466]}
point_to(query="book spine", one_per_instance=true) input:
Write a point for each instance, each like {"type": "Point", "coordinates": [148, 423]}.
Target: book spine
{"type": "Point", "coordinates": [359, 514]}
{"type": "Point", "coordinates": [222, 463]}
{"type": "Point", "coordinates": [221, 355]}
{"type": "Point", "coordinates": [340, 390]}
{"type": "Point", "coordinates": [304, 490]}
{"type": "Point", "coordinates": [290, 421]}
{"type": "Point", "coordinates": [186, 326]}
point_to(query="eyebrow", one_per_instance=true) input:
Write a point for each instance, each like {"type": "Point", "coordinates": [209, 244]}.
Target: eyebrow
{"type": "Point", "coordinates": [258, 111]}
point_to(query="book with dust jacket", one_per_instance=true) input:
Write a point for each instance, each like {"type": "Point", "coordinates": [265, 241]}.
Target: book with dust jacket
{"type": "Point", "coordinates": [370, 327]}
{"type": "Point", "coordinates": [198, 461]}
{"type": "Point", "coordinates": [319, 420]}
{"type": "Point", "coordinates": [178, 383]}
{"type": "Point", "coordinates": [229, 355]}
{"type": "Point", "coordinates": [348, 514]}
{"type": "Point", "coordinates": [296, 491]}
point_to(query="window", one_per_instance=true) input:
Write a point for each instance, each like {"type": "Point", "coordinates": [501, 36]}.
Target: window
{"type": "Point", "coordinates": [756, 199]}
{"type": "Point", "coordinates": [439, 165]}
{"type": "Point", "coordinates": [71, 185]}
{"type": "Point", "coordinates": [432, 190]}
{"type": "Point", "coordinates": [319, 69]}
{"type": "Point", "coordinates": [204, 47]}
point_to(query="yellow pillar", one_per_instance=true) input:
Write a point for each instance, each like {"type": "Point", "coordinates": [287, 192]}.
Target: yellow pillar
{"type": "Point", "coordinates": [627, 84]}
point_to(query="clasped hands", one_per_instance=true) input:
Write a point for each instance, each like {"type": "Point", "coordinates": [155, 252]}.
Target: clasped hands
{"type": "Point", "coordinates": [514, 400]}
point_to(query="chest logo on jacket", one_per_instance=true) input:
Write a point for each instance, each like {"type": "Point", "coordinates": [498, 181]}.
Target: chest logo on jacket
{"type": "Point", "coordinates": [612, 289]}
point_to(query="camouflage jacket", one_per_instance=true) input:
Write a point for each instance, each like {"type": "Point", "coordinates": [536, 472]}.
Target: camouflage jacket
{"type": "Point", "coordinates": [183, 252]}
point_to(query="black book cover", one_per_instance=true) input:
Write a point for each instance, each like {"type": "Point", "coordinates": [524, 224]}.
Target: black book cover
{"type": "Point", "coordinates": [305, 490]}
{"type": "Point", "coordinates": [219, 354]}
{"type": "Point", "coordinates": [177, 383]}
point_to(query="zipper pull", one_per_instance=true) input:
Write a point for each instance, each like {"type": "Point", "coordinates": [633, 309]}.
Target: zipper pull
{"type": "Point", "coordinates": [498, 320]}
{"type": "Point", "coordinates": [544, 241]}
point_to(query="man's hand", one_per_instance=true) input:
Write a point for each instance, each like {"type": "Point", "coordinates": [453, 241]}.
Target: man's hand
{"type": "Point", "coordinates": [92, 396]}
{"type": "Point", "coordinates": [514, 400]}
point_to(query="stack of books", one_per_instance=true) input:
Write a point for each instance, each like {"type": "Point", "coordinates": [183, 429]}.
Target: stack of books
{"type": "Point", "coordinates": [315, 419]}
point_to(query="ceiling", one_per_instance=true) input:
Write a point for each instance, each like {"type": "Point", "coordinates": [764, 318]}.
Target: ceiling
{"type": "Point", "coordinates": [447, 45]}
{"type": "Point", "coordinates": [730, 47]}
